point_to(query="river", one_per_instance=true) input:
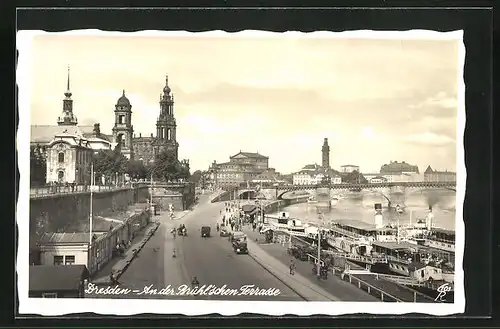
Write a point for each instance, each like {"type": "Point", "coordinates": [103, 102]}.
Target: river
{"type": "Point", "coordinates": [360, 206]}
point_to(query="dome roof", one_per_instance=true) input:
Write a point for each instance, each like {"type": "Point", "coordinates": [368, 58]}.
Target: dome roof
{"type": "Point", "coordinates": [123, 100]}
{"type": "Point", "coordinates": [166, 89]}
{"type": "Point", "coordinates": [67, 118]}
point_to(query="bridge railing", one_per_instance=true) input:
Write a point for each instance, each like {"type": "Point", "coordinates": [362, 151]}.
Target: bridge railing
{"type": "Point", "coordinates": [367, 185]}
{"type": "Point", "coordinates": [39, 192]}
{"type": "Point", "coordinates": [371, 289]}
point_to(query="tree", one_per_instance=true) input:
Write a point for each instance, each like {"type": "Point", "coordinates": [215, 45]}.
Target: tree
{"type": "Point", "coordinates": [108, 163]}
{"type": "Point", "coordinates": [137, 170]}
{"type": "Point", "coordinates": [38, 166]}
{"type": "Point", "coordinates": [354, 177]}
{"type": "Point", "coordinates": [196, 177]}
{"type": "Point", "coordinates": [326, 180]}
{"type": "Point", "coordinates": [167, 167]}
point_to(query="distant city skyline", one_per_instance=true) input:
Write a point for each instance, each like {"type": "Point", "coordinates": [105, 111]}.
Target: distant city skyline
{"type": "Point", "coordinates": [375, 100]}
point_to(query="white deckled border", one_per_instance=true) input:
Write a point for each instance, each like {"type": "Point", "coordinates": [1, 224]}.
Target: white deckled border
{"type": "Point", "coordinates": [54, 307]}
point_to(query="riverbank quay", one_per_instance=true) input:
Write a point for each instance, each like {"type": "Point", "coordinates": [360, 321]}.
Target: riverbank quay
{"type": "Point", "coordinates": [342, 291]}
{"type": "Point", "coordinates": [359, 277]}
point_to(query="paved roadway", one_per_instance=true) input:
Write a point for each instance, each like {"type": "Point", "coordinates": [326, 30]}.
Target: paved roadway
{"type": "Point", "coordinates": [212, 260]}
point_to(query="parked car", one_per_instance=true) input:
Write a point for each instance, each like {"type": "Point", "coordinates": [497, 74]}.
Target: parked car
{"type": "Point", "coordinates": [205, 231]}
{"type": "Point", "coordinates": [240, 246]}
{"type": "Point", "coordinates": [237, 236]}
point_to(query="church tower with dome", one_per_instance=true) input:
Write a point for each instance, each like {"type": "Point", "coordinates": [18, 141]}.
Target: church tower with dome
{"type": "Point", "coordinates": [165, 125]}
{"type": "Point", "coordinates": [123, 130]}
{"type": "Point", "coordinates": [67, 117]}
{"type": "Point", "coordinates": [146, 148]}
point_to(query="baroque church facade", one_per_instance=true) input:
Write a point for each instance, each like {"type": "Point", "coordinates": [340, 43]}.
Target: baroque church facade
{"type": "Point", "coordinates": [90, 137]}
{"type": "Point", "coordinates": [146, 148]}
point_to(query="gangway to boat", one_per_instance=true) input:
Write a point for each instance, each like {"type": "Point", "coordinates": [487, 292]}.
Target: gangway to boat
{"type": "Point", "coordinates": [364, 259]}
{"type": "Point", "coordinates": [407, 281]}
{"type": "Point", "coordinates": [402, 280]}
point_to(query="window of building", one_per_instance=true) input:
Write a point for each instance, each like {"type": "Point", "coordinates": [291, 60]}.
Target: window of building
{"type": "Point", "coordinates": [58, 260]}
{"type": "Point", "coordinates": [69, 260]}
{"type": "Point", "coordinates": [49, 295]}
{"type": "Point", "coordinates": [169, 134]}
{"type": "Point", "coordinates": [61, 157]}
{"type": "Point", "coordinates": [121, 119]}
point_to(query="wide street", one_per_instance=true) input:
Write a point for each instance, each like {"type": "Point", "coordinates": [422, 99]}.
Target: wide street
{"type": "Point", "coordinates": [212, 260]}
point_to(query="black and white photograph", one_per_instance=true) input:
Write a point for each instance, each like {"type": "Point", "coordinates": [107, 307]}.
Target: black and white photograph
{"type": "Point", "coordinates": [250, 172]}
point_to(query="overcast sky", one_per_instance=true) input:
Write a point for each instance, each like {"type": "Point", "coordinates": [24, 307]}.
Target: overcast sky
{"type": "Point", "coordinates": [375, 100]}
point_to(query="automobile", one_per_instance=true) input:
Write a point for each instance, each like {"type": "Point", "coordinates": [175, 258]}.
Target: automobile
{"type": "Point", "coordinates": [182, 230]}
{"type": "Point", "coordinates": [237, 236]}
{"type": "Point", "coordinates": [224, 232]}
{"type": "Point", "coordinates": [240, 246]}
{"type": "Point", "coordinates": [205, 231]}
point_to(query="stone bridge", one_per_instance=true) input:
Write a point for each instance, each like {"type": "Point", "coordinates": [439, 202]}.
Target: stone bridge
{"type": "Point", "coordinates": [394, 192]}
{"type": "Point", "coordinates": [233, 194]}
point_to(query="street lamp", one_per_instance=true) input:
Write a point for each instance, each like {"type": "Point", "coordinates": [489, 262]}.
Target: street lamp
{"type": "Point", "coordinates": [91, 203]}
{"type": "Point", "coordinates": [151, 193]}
{"type": "Point", "coordinates": [320, 217]}
{"type": "Point", "coordinates": [92, 182]}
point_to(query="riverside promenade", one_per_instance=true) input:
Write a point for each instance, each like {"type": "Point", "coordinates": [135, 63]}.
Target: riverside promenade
{"type": "Point", "coordinates": [119, 265]}
{"type": "Point", "coordinates": [341, 290]}
{"type": "Point", "coordinates": [345, 284]}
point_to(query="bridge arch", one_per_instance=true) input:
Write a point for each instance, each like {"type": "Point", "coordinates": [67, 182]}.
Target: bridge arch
{"type": "Point", "coordinates": [247, 194]}
{"type": "Point", "coordinates": [382, 194]}
{"type": "Point", "coordinates": [280, 194]}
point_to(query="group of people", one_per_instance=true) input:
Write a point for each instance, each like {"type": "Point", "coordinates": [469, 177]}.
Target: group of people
{"type": "Point", "coordinates": [121, 246]}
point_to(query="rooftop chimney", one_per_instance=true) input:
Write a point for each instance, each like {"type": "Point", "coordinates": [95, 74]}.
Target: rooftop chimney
{"type": "Point", "coordinates": [140, 135]}
{"type": "Point", "coordinates": [151, 134]}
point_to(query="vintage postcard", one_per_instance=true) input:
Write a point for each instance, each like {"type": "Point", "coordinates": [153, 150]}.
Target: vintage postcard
{"type": "Point", "coordinates": [198, 173]}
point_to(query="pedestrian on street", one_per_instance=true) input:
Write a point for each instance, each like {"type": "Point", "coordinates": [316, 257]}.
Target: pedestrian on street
{"type": "Point", "coordinates": [292, 267]}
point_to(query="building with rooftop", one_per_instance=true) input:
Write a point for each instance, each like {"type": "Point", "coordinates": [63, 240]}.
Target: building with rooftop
{"type": "Point", "coordinates": [55, 281]}
{"type": "Point", "coordinates": [146, 148]}
{"type": "Point", "coordinates": [431, 175]}
{"type": "Point", "coordinates": [69, 158]}
{"type": "Point", "coordinates": [349, 168]}
{"type": "Point", "coordinates": [313, 174]}
{"type": "Point", "coordinates": [270, 175]}
{"type": "Point", "coordinates": [132, 146]}
{"type": "Point", "coordinates": [242, 167]}
{"type": "Point", "coordinates": [396, 168]}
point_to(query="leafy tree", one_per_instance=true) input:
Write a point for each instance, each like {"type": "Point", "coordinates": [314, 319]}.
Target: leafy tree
{"type": "Point", "coordinates": [137, 170]}
{"type": "Point", "coordinates": [167, 167]}
{"type": "Point", "coordinates": [326, 180]}
{"type": "Point", "coordinates": [196, 177]}
{"type": "Point", "coordinates": [107, 163]}
{"type": "Point", "coordinates": [354, 177]}
{"type": "Point", "coordinates": [38, 166]}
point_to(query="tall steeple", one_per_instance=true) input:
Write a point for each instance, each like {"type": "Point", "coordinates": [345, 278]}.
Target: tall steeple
{"type": "Point", "coordinates": [68, 90]}
{"type": "Point", "coordinates": [165, 125]}
{"type": "Point", "coordinates": [123, 131]}
{"type": "Point", "coordinates": [325, 150]}
{"type": "Point", "coordinates": [67, 118]}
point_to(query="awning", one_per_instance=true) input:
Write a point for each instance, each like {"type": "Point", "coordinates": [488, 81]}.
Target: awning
{"type": "Point", "coordinates": [248, 208]}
